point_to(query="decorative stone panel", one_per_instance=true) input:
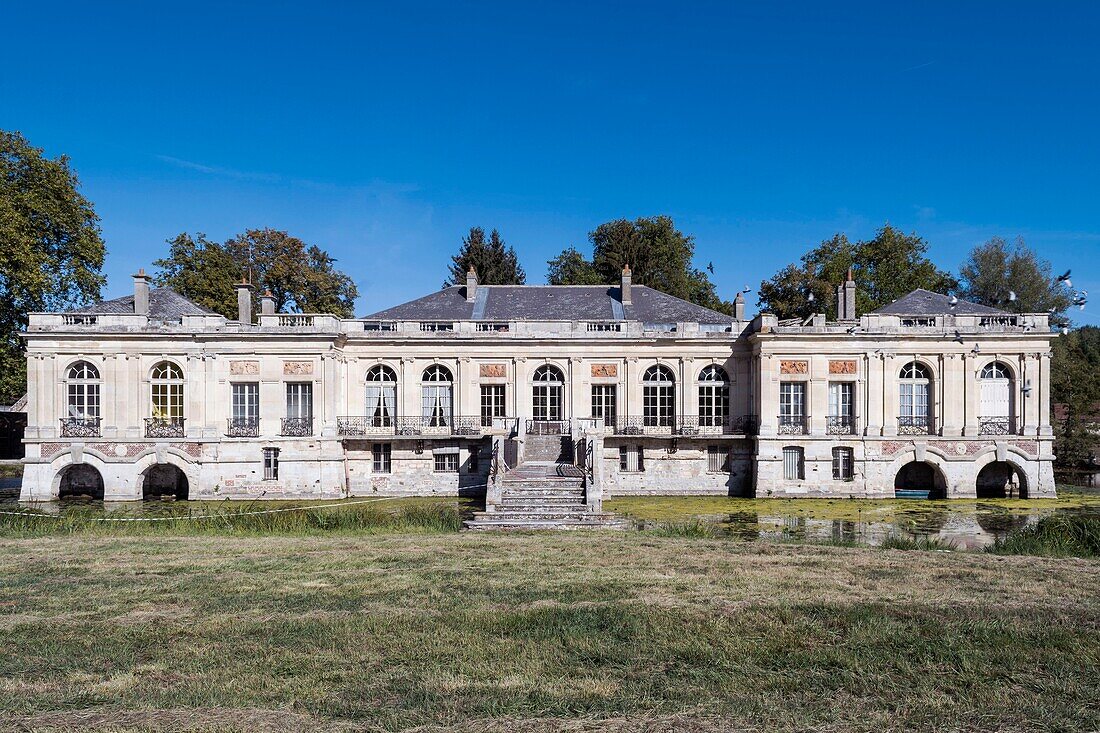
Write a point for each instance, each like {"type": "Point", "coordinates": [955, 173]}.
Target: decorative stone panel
{"type": "Point", "coordinates": [842, 366]}
{"type": "Point", "coordinates": [297, 367]}
{"type": "Point", "coordinates": [246, 368]}
{"type": "Point", "coordinates": [493, 371]}
{"type": "Point", "coordinates": [1030, 447]}
{"type": "Point", "coordinates": [52, 449]}
{"type": "Point", "coordinates": [605, 370]}
{"type": "Point", "coordinates": [787, 366]}
{"type": "Point", "coordinates": [192, 449]}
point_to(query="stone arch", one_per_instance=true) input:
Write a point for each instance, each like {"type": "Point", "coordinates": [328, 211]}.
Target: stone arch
{"type": "Point", "coordinates": [920, 479]}
{"type": "Point", "coordinates": [1001, 480]}
{"type": "Point", "coordinates": [76, 480]}
{"type": "Point", "coordinates": [164, 480]}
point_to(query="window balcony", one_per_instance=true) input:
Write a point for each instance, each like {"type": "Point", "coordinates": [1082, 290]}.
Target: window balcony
{"type": "Point", "coordinates": [792, 424]}
{"type": "Point", "coordinates": [548, 427]}
{"type": "Point", "coordinates": [80, 427]}
{"type": "Point", "coordinates": [164, 427]}
{"type": "Point", "coordinates": [914, 425]}
{"type": "Point", "coordinates": [840, 424]}
{"type": "Point", "coordinates": [243, 427]}
{"type": "Point", "coordinates": [297, 427]}
{"type": "Point", "coordinates": [352, 426]}
{"type": "Point", "coordinates": [996, 426]}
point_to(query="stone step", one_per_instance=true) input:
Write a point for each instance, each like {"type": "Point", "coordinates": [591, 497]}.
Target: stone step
{"type": "Point", "coordinates": [544, 492]}
{"type": "Point", "coordinates": [498, 521]}
{"type": "Point", "coordinates": [543, 501]}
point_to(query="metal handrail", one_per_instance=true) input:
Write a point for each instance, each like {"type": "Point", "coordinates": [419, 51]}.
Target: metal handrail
{"type": "Point", "coordinates": [914, 425]}
{"type": "Point", "coordinates": [352, 426]}
{"type": "Point", "coordinates": [243, 427]}
{"type": "Point", "coordinates": [80, 427]}
{"type": "Point", "coordinates": [164, 427]}
{"type": "Point", "coordinates": [297, 427]}
{"type": "Point", "coordinates": [996, 426]}
{"type": "Point", "coordinates": [792, 424]}
{"type": "Point", "coordinates": [547, 427]}
{"type": "Point", "coordinates": [840, 424]}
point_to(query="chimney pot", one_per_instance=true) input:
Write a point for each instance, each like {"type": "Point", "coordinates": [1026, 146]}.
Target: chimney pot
{"type": "Point", "coordinates": [739, 307]}
{"type": "Point", "coordinates": [624, 287]}
{"type": "Point", "coordinates": [244, 303]}
{"type": "Point", "coordinates": [267, 303]}
{"type": "Point", "coordinates": [141, 293]}
{"type": "Point", "coordinates": [471, 284]}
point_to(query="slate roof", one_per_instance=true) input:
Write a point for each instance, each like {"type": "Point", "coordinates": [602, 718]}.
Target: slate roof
{"type": "Point", "coordinates": [922, 302]}
{"type": "Point", "coordinates": [551, 303]}
{"type": "Point", "coordinates": [165, 304]}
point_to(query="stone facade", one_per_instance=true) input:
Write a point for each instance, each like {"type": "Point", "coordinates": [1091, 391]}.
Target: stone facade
{"type": "Point", "coordinates": [714, 405]}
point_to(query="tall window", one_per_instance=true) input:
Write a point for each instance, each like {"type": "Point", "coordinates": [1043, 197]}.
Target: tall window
{"type": "Point", "coordinates": [840, 408]}
{"type": "Point", "coordinates": [83, 383]}
{"type": "Point", "coordinates": [382, 458]}
{"type": "Point", "coordinates": [794, 467]}
{"type": "Point", "coordinates": [842, 464]}
{"type": "Point", "coordinates": [658, 396]}
{"type": "Point", "coordinates": [996, 409]}
{"type": "Point", "coordinates": [714, 396]}
{"type": "Point", "coordinates": [547, 389]}
{"type": "Point", "coordinates": [167, 391]}
{"type": "Point", "coordinates": [381, 396]}
{"type": "Point", "coordinates": [631, 458]}
{"type": "Point", "coordinates": [492, 403]}
{"type": "Point", "coordinates": [299, 400]}
{"type": "Point", "coordinates": [792, 407]}
{"type": "Point", "coordinates": [605, 403]}
{"type": "Point", "coordinates": [436, 396]}
{"type": "Point", "coordinates": [271, 464]}
{"type": "Point", "coordinates": [913, 403]}
{"type": "Point", "coordinates": [246, 403]}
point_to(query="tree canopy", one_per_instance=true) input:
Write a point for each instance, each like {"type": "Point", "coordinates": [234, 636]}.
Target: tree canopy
{"type": "Point", "coordinates": [51, 251]}
{"type": "Point", "coordinates": [996, 268]}
{"type": "Point", "coordinates": [302, 277]}
{"type": "Point", "coordinates": [494, 262]}
{"type": "Point", "coordinates": [659, 256]}
{"type": "Point", "coordinates": [885, 267]}
{"type": "Point", "coordinates": [1074, 387]}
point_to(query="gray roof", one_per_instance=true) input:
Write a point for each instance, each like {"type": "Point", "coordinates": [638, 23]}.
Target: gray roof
{"type": "Point", "coordinates": [922, 302]}
{"type": "Point", "coordinates": [165, 304]}
{"type": "Point", "coordinates": [551, 303]}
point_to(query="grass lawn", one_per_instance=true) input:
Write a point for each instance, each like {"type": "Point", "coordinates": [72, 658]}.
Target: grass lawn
{"type": "Point", "coordinates": [602, 631]}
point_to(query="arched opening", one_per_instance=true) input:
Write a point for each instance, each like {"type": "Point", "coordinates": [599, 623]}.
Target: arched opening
{"type": "Point", "coordinates": [919, 480]}
{"type": "Point", "coordinates": [1001, 480]}
{"type": "Point", "coordinates": [714, 396]}
{"type": "Point", "coordinates": [658, 396]}
{"type": "Point", "coordinates": [80, 481]}
{"type": "Point", "coordinates": [435, 393]}
{"type": "Point", "coordinates": [548, 394]}
{"type": "Point", "coordinates": [164, 481]}
{"type": "Point", "coordinates": [997, 414]}
{"type": "Point", "coordinates": [914, 400]}
{"type": "Point", "coordinates": [382, 396]}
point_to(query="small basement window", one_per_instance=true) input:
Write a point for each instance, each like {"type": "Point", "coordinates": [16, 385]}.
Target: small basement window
{"type": "Point", "coordinates": [631, 459]}
{"type": "Point", "coordinates": [271, 464]}
{"type": "Point", "coordinates": [382, 458]}
{"type": "Point", "coordinates": [446, 463]}
{"type": "Point", "coordinates": [718, 459]}
{"type": "Point", "coordinates": [842, 464]}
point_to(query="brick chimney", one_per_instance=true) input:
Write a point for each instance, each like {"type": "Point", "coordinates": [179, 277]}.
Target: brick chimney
{"type": "Point", "coordinates": [267, 303]}
{"type": "Point", "coordinates": [624, 287]}
{"type": "Point", "coordinates": [471, 284]}
{"type": "Point", "coordinates": [141, 293]}
{"type": "Point", "coordinates": [244, 303]}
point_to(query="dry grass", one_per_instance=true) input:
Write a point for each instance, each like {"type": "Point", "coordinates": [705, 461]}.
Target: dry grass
{"type": "Point", "coordinates": [622, 632]}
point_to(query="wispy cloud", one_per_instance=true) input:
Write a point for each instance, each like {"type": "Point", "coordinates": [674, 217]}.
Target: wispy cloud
{"type": "Point", "coordinates": [918, 66]}
{"type": "Point", "coordinates": [213, 170]}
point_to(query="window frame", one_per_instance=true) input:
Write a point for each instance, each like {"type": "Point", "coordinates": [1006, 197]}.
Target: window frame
{"type": "Point", "coordinates": [381, 458]}
{"type": "Point", "coordinates": [271, 464]}
{"type": "Point", "coordinates": [799, 463]}
{"type": "Point", "coordinates": [447, 460]}
{"type": "Point", "coordinates": [843, 463]}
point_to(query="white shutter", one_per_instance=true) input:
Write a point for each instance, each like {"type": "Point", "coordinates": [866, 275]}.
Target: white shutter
{"type": "Point", "coordinates": [996, 398]}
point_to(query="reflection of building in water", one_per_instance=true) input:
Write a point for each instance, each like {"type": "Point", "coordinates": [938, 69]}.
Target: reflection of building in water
{"type": "Point", "coordinates": [477, 389]}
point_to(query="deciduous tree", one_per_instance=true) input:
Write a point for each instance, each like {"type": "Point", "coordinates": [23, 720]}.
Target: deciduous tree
{"type": "Point", "coordinates": [996, 270]}
{"type": "Point", "coordinates": [51, 251]}
{"type": "Point", "coordinates": [1076, 390]}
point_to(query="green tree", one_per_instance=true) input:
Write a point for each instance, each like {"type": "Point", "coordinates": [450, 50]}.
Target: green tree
{"type": "Point", "coordinates": [996, 269]}
{"type": "Point", "coordinates": [885, 267]}
{"type": "Point", "coordinates": [494, 262]}
{"type": "Point", "coordinates": [51, 251]}
{"type": "Point", "coordinates": [659, 255]}
{"type": "Point", "coordinates": [1074, 387]}
{"type": "Point", "coordinates": [302, 278]}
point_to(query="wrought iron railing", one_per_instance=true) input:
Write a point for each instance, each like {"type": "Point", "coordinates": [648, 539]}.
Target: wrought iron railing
{"type": "Point", "coordinates": [652, 425]}
{"type": "Point", "coordinates": [80, 427]}
{"type": "Point", "coordinates": [840, 424]}
{"type": "Point", "coordinates": [547, 427]}
{"type": "Point", "coordinates": [164, 427]}
{"type": "Point", "coordinates": [996, 426]}
{"type": "Point", "coordinates": [914, 425]}
{"type": "Point", "coordinates": [243, 427]}
{"type": "Point", "coordinates": [297, 427]}
{"type": "Point", "coordinates": [352, 426]}
{"type": "Point", "coordinates": [792, 425]}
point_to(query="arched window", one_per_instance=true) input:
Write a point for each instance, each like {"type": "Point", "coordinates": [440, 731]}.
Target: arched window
{"type": "Point", "coordinates": [547, 391]}
{"type": "Point", "coordinates": [914, 405]}
{"type": "Point", "coordinates": [658, 396]}
{"type": "Point", "coordinates": [167, 391]}
{"type": "Point", "coordinates": [436, 396]}
{"type": "Point", "coordinates": [997, 408]}
{"type": "Point", "coordinates": [381, 396]}
{"type": "Point", "coordinates": [714, 396]}
{"type": "Point", "coordinates": [83, 392]}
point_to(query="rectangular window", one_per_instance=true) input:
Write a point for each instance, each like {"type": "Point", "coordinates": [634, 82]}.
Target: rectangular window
{"type": "Point", "coordinates": [271, 464]}
{"type": "Point", "coordinates": [840, 399]}
{"type": "Point", "coordinates": [792, 399]}
{"type": "Point", "coordinates": [631, 458]}
{"type": "Point", "coordinates": [605, 403]}
{"type": "Point", "coordinates": [299, 400]}
{"type": "Point", "coordinates": [382, 458]}
{"type": "Point", "coordinates": [446, 463]}
{"type": "Point", "coordinates": [842, 464]}
{"type": "Point", "coordinates": [167, 400]}
{"type": "Point", "coordinates": [246, 401]}
{"type": "Point", "coordinates": [492, 403]}
{"type": "Point", "coordinates": [793, 467]}
{"type": "Point", "coordinates": [718, 459]}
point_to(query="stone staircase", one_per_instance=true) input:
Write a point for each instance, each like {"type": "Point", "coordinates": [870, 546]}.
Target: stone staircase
{"type": "Point", "coordinates": [542, 494]}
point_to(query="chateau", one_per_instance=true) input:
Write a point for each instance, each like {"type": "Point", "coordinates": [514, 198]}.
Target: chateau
{"type": "Point", "coordinates": [619, 389]}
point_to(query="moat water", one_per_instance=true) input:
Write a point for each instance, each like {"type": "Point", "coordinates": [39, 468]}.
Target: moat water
{"type": "Point", "coordinates": [964, 524]}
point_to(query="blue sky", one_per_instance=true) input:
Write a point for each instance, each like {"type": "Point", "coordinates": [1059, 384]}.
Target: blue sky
{"type": "Point", "coordinates": [383, 132]}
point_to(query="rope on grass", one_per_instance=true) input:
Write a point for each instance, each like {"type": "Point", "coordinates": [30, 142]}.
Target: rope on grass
{"type": "Point", "coordinates": [197, 516]}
